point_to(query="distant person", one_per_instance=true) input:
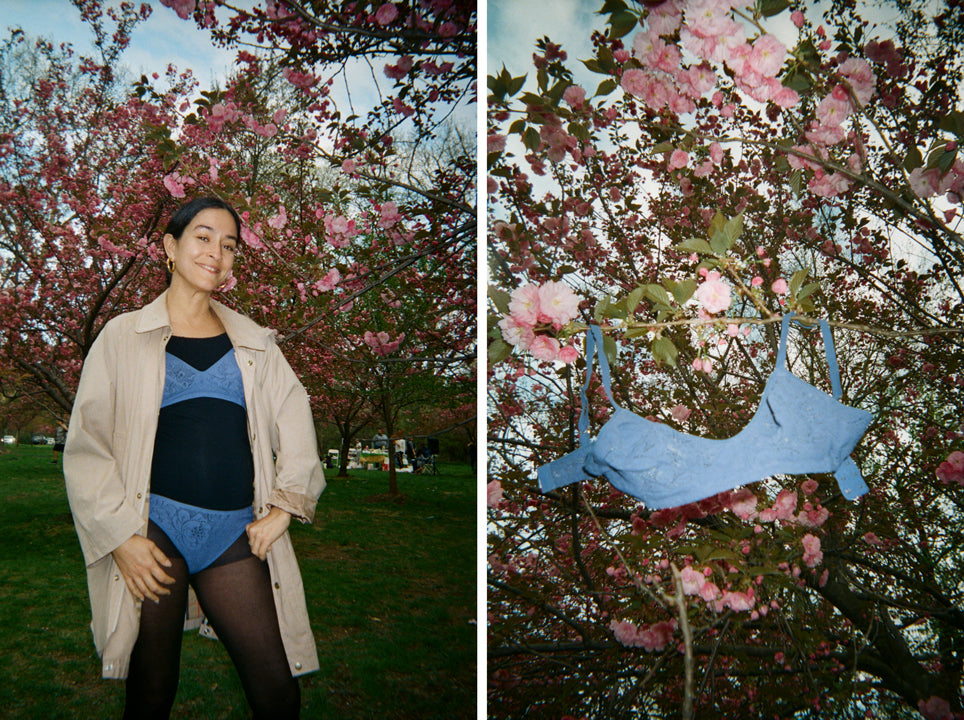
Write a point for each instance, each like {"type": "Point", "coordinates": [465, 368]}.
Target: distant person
{"type": "Point", "coordinates": [204, 501]}
{"type": "Point", "coordinates": [60, 437]}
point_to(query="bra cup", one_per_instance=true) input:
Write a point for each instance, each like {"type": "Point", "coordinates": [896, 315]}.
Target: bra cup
{"type": "Point", "coordinates": [814, 432]}
{"type": "Point", "coordinates": [797, 428]}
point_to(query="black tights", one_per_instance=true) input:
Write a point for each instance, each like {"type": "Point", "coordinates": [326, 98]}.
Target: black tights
{"type": "Point", "coordinates": [235, 595]}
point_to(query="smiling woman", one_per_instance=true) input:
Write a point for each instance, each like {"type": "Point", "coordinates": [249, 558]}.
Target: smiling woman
{"type": "Point", "coordinates": [187, 475]}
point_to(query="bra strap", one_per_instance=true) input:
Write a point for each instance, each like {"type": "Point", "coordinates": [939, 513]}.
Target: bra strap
{"type": "Point", "coordinates": [594, 346]}
{"type": "Point", "coordinates": [828, 349]}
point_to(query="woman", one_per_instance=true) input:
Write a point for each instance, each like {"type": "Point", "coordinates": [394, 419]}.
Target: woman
{"type": "Point", "coordinates": [190, 448]}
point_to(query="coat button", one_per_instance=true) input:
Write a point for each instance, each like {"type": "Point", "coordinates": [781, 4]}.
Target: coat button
{"type": "Point", "coordinates": [250, 363]}
{"type": "Point", "coordinates": [139, 496]}
{"type": "Point", "coordinates": [297, 666]}
{"type": "Point", "coordinates": [116, 578]}
{"type": "Point", "coordinates": [277, 586]}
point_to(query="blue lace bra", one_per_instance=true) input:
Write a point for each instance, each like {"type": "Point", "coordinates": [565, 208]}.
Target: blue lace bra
{"type": "Point", "coordinates": [796, 429]}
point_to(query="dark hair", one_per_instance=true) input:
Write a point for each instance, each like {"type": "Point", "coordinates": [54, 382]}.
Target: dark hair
{"type": "Point", "coordinates": [183, 216]}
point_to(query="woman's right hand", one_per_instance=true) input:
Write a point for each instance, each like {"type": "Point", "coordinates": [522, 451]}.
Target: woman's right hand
{"type": "Point", "coordinates": [140, 563]}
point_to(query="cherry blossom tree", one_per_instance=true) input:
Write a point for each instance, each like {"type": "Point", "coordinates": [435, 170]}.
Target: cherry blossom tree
{"type": "Point", "coordinates": [731, 162]}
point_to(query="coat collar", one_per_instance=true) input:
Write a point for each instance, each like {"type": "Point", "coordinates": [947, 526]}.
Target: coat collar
{"type": "Point", "coordinates": [241, 330]}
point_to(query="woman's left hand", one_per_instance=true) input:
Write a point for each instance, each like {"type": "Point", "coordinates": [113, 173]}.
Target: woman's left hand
{"type": "Point", "coordinates": [263, 532]}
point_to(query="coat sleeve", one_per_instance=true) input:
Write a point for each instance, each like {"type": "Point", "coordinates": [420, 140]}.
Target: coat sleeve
{"type": "Point", "coordinates": [299, 479]}
{"type": "Point", "coordinates": [103, 516]}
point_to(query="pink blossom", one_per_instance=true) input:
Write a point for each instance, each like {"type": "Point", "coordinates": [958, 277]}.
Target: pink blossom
{"type": "Point", "coordinates": [329, 281]}
{"type": "Point", "coordinates": [716, 153]}
{"type": "Point", "coordinates": [400, 69]}
{"type": "Point", "coordinates": [952, 469]}
{"type": "Point", "coordinates": [401, 108]}
{"type": "Point", "coordinates": [678, 159]}
{"type": "Point", "coordinates": [558, 304]}
{"type": "Point", "coordinates": [516, 333]}
{"type": "Point", "coordinates": [251, 239]}
{"type": "Point", "coordinates": [708, 18]}
{"type": "Point", "coordinates": [495, 143]}
{"type": "Point", "coordinates": [757, 281]}
{"type": "Point", "coordinates": [635, 82]}
{"type": "Point", "coordinates": [871, 539]}
{"type": "Point", "coordinates": [809, 487]}
{"type": "Point", "coordinates": [832, 111]}
{"type": "Point", "coordinates": [300, 80]}
{"type": "Point", "coordinates": [713, 294]}
{"type": "Point", "coordinates": [176, 188]}
{"type": "Point", "coordinates": [574, 96]}
{"type": "Point", "coordinates": [861, 78]}
{"type": "Point", "coordinates": [693, 581]}
{"type": "Point", "coordinates": [388, 215]}
{"type": "Point", "coordinates": [280, 220]}
{"type": "Point", "coordinates": [568, 354]}
{"type": "Point", "coordinates": [738, 601]}
{"type": "Point", "coordinates": [780, 286]}
{"type": "Point", "coordinates": [742, 503]}
{"type": "Point", "coordinates": [493, 493]}
{"type": "Point", "coordinates": [654, 637]}
{"type": "Point", "coordinates": [664, 19]}
{"type": "Point", "coordinates": [545, 348]}
{"type": "Point", "coordinates": [703, 364]}
{"type": "Point", "coordinates": [349, 166]}
{"type": "Point", "coordinates": [386, 14]}
{"type": "Point", "coordinates": [709, 592]}
{"type": "Point", "coordinates": [797, 18]}
{"type": "Point", "coordinates": [680, 412]}
{"type": "Point", "coordinates": [783, 507]}
{"type": "Point", "coordinates": [183, 8]}
{"type": "Point", "coordinates": [924, 183]}
{"type": "Point", "coordinates": [524, 304]}
{"type": "Point", "coordinates": [935, 708]}
{"type": "Point", "coordinates": [767, 55]}
{"type": "Point", "coordinates": [812, 555]}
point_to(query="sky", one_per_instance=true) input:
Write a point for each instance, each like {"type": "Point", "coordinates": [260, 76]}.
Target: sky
{"type": "Point", "coordinates": [163, 38]}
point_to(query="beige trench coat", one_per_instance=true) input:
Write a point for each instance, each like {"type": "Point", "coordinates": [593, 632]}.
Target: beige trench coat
{"type": "Point", "coordinates": [107, 466]}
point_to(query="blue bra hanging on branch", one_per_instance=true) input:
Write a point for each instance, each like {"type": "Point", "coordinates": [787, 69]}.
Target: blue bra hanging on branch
{"type": "Point", "coordinates": [796, 429]}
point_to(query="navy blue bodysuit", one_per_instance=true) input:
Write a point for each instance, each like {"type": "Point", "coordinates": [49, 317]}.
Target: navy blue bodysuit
{"type": "Point", "coordinates": [202, 473]}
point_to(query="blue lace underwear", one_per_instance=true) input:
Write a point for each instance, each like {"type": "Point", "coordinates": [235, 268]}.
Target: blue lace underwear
{"type": "Point", "coordinates": [200, 535]}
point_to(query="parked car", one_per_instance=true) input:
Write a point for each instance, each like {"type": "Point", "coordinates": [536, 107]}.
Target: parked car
{"type": "Point", "coordinates": [9, 440]}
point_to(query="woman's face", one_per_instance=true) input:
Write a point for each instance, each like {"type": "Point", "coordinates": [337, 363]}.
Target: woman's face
{"type": "Point", "coordinates": [204, 254]}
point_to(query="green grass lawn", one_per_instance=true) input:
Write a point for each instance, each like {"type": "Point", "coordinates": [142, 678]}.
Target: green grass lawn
{"type": "Point", "coordinates": [391, 590]}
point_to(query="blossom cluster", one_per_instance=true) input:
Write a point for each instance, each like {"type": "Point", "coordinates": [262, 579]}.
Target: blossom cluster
{"type": "Point", "coordinates": [649, 637]}
{"type": "Point", "coordinates": [381, 343]}
{"type": "Point", "coordinates": [952, 469]}
{"type": "Point", "coordinates": [534, 308]}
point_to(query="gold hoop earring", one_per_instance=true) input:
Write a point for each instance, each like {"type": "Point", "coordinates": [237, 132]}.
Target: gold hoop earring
{"type": "Point", "coordinates": [170, 265]}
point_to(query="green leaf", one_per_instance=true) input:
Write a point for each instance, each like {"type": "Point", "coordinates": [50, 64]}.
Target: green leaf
{"type": "Point", "coordinates": [609, 347]}
{"type": "Point", "coordinates": [796, 178]}
{"type": "Point", "coordinates": [697, 245]}
{"type": "Point", "coordinates": [664, 350]}
{"type": "Point", "coordinates": [807, 290]}
{"type": "Point", "coordinates": [635, 332]}
{"type": "Point", "coordinates": [684, 290]}
{"type": "Point", "coordinates": [531, 139]}
{"type": "Point", "coordinates": [799, 277]}
{"type": "Point", "coordinates": [658, 294]}
{"type": "Point", "coordinates": [518, 127]}
{"type": "Point", "coordinates": [953, 122]}
{"type": "Point", "coordinates": [606, 87]}
{"type": "Point", "coordinates": [769, 8]}
{"type": "Point", "coordinates": [515, 85]}
{"type": "Point", "coordinates": [663, 147]}
{"type": "Point", "coordinates": [500, 298]}
{"type": "Point", "coordinates": [633, 299]}
{"type": "Point", "coordinates": [601, 309]}
{"type": "Point", "coordinates": [621, 23]}
{"type": "Point", "coordinates": [498, 351]}
{"type": "Point", "coordinates": [913, 159]}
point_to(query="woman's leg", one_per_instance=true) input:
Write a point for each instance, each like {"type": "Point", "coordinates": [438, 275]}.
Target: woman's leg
{"type": "Point", "coordinates": [155, 662]}
{"type": "Point", "coordinates": [236, 597]}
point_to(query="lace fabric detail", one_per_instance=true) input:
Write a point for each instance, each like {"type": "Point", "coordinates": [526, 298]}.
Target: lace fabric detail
{"type": "Point", "coordinates": [796, 429]}
{"type": "Point", "coordinates": [222, 380]}
{"type": "Point", "coordinates": [200, 535]}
